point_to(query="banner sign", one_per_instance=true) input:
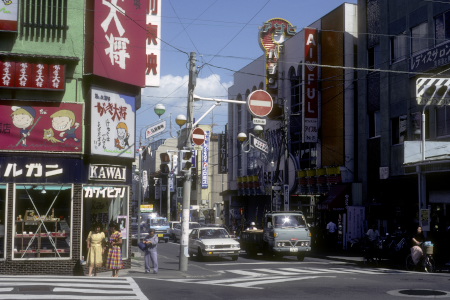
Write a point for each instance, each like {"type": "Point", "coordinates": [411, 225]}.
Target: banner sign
{"type": "Point", "coordinates": [8, 15]}
{"type": "Point", "coordinates": [119, 40]}
{"type": "Point", "coordinates": [41, 127]}
{"type": "Point", "coordinates": [153, 45]}
{"type": "Point", "coordinates": [223, 156]}
{"type": "Point", "coordinates": [155, 129]}
{"type": "Point", "coordinates": [310, 88]}
{"type": "Point", "coordinates": [205, 160]}
{"type": "Point", "coordinates": [431, 59]}
{"type": "Point", "coordinates": [113, 123]}
{"type": "Point", "coordinates": [34, 76]}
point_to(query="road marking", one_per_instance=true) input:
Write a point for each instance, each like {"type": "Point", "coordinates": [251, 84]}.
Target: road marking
{"type": "Point", "coordinates": [69, 288]}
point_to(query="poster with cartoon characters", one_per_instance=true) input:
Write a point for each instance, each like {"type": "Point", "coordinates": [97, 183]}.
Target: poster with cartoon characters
{"type": "Point", "coordinates": [41, 127]}
{"type": "Point", "coordinates": [112, 123]}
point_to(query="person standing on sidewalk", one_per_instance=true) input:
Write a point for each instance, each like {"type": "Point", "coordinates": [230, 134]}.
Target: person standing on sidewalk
{"type": "Point", "coordinates": [151, 253]}
{"type": "Point", "coordinates": [332, 234]}
{"type": "Point", "coordinates": [114, 261]}
{"type": "Point", "coordinates": [95, 245]}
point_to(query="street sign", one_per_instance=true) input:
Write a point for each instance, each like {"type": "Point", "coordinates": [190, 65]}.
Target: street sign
{"type": "Point", "coordinates": [155, 129]}
{"type": "Point", "coordinates": [259, 121]}
{"type": "Point", "coordinates": [433, 91]}
{"type": "Point", "coordinates": [198, 136]}
{"type": "Point", "coordinates": [260, 103]}
{"type": "Point", "coordinates": [260, 144]}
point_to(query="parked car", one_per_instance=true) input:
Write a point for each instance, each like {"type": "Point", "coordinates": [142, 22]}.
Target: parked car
{"type": "Point", "coordinates": [134, 233]}
{"type": "Point", "coordinates": [213, 242]}
{"type": "Point", "coordinates": [171, 226]}
{"type": "Point", "coordinates": [177, 230]}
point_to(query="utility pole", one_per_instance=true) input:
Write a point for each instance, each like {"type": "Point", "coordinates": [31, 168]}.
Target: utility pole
{"type": "Point", "coordinates": [184, 253]}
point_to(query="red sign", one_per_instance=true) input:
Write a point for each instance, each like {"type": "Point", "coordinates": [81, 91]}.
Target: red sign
{"type": "Point", "coordinates": [260, 103]}
{"type": "Point", "coordinates": [32, 75]}
{"type": "Point", "coordinates": [119, 41]}
{"type": "Point", "coordinates": [311, 92]}
{"type": "Point", "coordinates": [198, 136]}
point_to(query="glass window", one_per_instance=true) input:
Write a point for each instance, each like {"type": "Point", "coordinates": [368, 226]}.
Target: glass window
{"type": "Point", "coordinates": [442, 28]}
{"type": "Point", "coordinates": [443, 121]}
{"type": "Point", "coordinates": [419, 37]}
{"type": "Point", "coordinates": [2, 220]}
{"type": "Point", "coordinates": [103, 205]}
{"type": "Point", "coordinates": [399, 47]}
{"type": "Point", "coordinates": [374, 124]}
{"type": "Point", "coordinates": [42, 227]}
{"type": "Point", "coordinates": [398, 130]}
{"type": "Point", "coordinates": [373, 57]}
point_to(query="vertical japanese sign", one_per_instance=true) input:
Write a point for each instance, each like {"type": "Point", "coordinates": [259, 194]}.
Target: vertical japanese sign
{"type": "Point", "coordinates": [153, 46]}
{"type": "Point", "coordinates": [8, 15]}
{"type": "Point", "coordinates": [223, 155]}
{"type": "Point", "coordinates": [310, 88]}
{"type": "Point", "coordinates": [41, 127]}
{"type": "Point", "coordinates": [112, 123]}
{"type": "Point", "coordinates": [205, 160]}
{"type": "Point", "coordinates": [119, 40]}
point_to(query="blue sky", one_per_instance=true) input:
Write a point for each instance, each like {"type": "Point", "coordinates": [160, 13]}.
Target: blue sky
{"type": "Point", "coordinates": [223, 33]}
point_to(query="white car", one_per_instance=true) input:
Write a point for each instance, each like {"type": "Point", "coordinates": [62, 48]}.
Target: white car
{"type": "Point", "coordinates": [172, 225]}
{"type": "Point", "coordinates": [213, 241]}
{"type": "Point", "coordinates": [177, 230]}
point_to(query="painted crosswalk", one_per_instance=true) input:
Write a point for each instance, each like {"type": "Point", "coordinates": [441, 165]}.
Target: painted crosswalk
{"type": "Point", "coordinates": [69, 288]}
{"type": "Point", "coordinates": [257, 278]}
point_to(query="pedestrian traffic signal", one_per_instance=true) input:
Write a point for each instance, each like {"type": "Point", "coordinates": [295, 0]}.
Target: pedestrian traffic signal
{"type": "Point", "coordinates": [166, 163]}
{"type": "Point", "coordinates": [185, 160]}
{"type": "Point", "coordinates": [433, 91]}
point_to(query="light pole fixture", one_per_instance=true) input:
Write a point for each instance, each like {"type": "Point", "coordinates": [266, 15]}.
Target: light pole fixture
{"type": "Point", "coordinates": [181, 120]}
{"type": "Point", "coordinates": [258, 129]}
{"type": "Point", "coordinates": [242, 137]}
{"type": "Point", "coordinates": [159, 109]}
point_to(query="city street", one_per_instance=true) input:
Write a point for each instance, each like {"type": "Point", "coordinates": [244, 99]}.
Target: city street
{"type": "Point", "coordinates": [258, 278]}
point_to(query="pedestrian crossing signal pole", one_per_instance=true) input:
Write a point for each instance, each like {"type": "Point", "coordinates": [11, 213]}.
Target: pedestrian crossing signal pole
{"type": "Point", "coordinates": [184, 253]}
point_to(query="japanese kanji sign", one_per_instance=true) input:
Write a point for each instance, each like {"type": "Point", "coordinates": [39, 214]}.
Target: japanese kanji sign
{"type": "Point", "coordinates": [41, 127]}
{"type": "Point", "coordinates": [119, 40]}
{"type": "Point", "coordinates": [153, 46]}
{"type": "Point", "coordinates": [112, 123]}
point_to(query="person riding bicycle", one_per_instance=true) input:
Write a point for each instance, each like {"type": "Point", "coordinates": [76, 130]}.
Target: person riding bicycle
{"type": "Point", "coordinates": [373, 237]}
{"type": "Point", "coordinates": [416, 249]}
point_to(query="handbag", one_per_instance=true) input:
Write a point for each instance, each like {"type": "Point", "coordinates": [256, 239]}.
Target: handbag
{"type": "Point", "coordinates": [142, 246]}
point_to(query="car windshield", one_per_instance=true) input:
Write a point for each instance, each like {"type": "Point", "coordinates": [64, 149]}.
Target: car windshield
{"type": "Point", "coordinates": [158, 222]}
{"type": "Point", "coordinates": [285, 221]}
{"type": "Point", "coordinates": [213, 234]}
{"type": "Point", "coordinates": [193, 225]}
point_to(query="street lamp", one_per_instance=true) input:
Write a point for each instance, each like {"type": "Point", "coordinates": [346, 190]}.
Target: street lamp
{"type": "Point", "coordinates": [160, 109]}
{"type": "Point", "coordinates": [181, 120]}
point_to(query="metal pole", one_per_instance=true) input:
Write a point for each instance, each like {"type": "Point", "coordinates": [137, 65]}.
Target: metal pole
{"type": "Point", "coordinates": [168, 196]}
{"type": "Point", "coordinates": [184, 253]}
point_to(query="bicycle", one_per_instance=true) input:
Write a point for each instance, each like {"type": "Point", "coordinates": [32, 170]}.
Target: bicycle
{"type": "Point", "coordinates": [427, 261]}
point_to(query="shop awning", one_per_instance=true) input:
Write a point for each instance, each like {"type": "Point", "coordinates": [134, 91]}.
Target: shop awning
{"type": "Point", "coordinates": [335, 199]}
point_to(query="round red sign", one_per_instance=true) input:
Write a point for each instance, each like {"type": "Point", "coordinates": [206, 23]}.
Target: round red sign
{"type": "Point", "coordinates": [260, 103]}
{"type": "Point", "coordinates": [198, 136]}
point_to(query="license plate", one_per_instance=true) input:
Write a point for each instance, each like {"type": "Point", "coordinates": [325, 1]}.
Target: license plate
{"type": "Point", "coordinates": [160, 235]}
{"type": "Point", "coordinates": [293, 249]}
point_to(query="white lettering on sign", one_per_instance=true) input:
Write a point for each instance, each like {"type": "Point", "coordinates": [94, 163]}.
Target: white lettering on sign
{"type": "Point", "coordinates": [106, 172]}
{"type": "Point", "coordinates": [104, 192]}
{"type": "Point", "coordinates": [259, 121]}
{"type": "Point", "coordinates": [32, 170]}
{"type": "Point", "coordinates": [263, 103]}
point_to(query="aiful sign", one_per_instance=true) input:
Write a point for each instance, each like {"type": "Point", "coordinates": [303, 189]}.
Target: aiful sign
{"type": "Point", "coordinates": [310, 88]}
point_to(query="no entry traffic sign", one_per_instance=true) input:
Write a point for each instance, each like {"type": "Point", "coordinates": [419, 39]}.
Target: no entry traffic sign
{"type": "Point", "coordinates": [260, 103]}
{"type": "Point", "coordinates": [198, 136]}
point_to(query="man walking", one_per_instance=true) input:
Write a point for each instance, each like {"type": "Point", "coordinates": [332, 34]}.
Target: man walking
{"type": "Point", "coordinates": [331, 234]}
{"type": "Point", "coordinates": [151, 253]}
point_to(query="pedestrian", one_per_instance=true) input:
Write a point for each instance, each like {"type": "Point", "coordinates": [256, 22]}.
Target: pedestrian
{"type": "Point", "coordinates": [151, 253]}
{"type": "Point", "coordinates": [331, 234]}
{"type": "Point", "coordinates": [373, 234]}
{"type": "Point", "coordinates": [114, 261]}
{"type": "Point", "coordinates": [96, 247]}
{"type": "Point", "coordinates": [416, 250]}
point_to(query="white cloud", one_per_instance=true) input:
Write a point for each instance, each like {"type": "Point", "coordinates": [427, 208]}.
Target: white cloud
{"type": "Point", "coordinates": [173, 92]}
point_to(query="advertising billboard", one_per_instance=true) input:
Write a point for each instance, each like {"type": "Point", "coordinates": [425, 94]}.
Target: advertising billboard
{"type": "Point", "coordinates": [8, 15]}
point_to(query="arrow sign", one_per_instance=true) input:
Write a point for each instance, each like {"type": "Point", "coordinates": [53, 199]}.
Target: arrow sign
{"type": "Point", "coordinates": [198, 136]}
{"type": "Point", "coordinates": [260, 144]}
{"type": "Point", "coordinates": [260, 103]}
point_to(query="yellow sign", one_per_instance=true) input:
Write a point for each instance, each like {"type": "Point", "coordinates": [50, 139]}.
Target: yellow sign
{"type": "Point", "coordinates": [147, 208]}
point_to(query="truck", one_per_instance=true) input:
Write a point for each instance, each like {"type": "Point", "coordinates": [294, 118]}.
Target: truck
{"type": "Point", "coordinates": [160, 224]}
{"type": "Point", "coordinates": [283, 234]}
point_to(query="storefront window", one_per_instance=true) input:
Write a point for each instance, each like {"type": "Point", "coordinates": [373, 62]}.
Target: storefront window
{"type": "Point", "coordinates": [2, 220]}
{"type": "Point", "coordinates": [43, 215]}
{"type": "Point", "coordinates": [104, 205]}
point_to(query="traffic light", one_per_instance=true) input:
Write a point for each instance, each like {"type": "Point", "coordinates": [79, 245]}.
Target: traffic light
{"type": "Point", "coordinates": [433, 91]}
{"type": "Point", "coordinates": [185, 160]}
{"type": "Point", "coordinates": [166, 163]}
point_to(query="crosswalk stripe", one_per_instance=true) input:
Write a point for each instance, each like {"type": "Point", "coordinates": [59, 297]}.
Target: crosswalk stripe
{"type": "Point", "coordinates": [275, 280]}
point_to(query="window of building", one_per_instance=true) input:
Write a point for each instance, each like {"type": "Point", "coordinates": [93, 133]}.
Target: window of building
{"type": "Point", "coordinates": [399, 46]}
{"type": "Point", "coordinates": [296, 91]}
{"type": "Point", "coordinates": [373, 57]}
{"type": "Point", "coordinates": [398, 130]}
{"type": "Point", "coordinates": [374, 124]}
{"type": "Point", "coordinates": [43, 221]}
{"type": "Point", "coordinates": [104, 205]}
{"type": "Point", "coordinates": [2, 220]}
{"type": "Point", "coordinates": [419, 38]}
{"type": "Point", "coordinates": [442, 28]}
{"type": "Point", "coordinates": [443, 121]}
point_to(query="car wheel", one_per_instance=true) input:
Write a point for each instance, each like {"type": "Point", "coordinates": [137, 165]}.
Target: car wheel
{"type": "Point", "coordinates": [200, 255]}
{"type": "Point", "coordinates": [174, 239]}
{"type": "Point", "coordinates": [234, 257]}
{"type": "Point", "coordinates": [166, 240]}
{"type": "Point", "coordinates": [300, 257]}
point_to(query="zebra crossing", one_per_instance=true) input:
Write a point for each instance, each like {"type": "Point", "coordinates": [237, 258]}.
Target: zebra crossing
{"type": "Point", "coordinates": [257, 278]}
{"type": "Point", "coordinates": [69, 288]}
